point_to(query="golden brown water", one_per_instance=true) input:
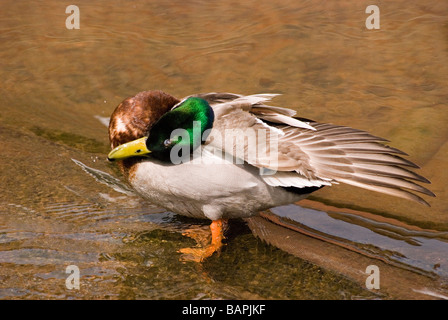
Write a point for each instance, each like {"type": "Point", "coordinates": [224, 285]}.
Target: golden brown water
{"type": "Point", "coordinates": [62, 204]}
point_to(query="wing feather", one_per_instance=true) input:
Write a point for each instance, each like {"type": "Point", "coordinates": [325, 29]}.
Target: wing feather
{"type": "Point", "coordinates": [305, 153]}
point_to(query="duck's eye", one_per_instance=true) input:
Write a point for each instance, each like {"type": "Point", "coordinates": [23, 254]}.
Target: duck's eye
{"type": "Point", "coordinates": [138, 150]}
{"type": "Point", "coordinates": [167, 143]}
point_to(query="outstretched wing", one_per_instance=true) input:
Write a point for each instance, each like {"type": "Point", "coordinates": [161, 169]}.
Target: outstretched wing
{"type": "Point", "coordinates": [300, 153]}
{"type": "Point", "coordinates": [357, 158]}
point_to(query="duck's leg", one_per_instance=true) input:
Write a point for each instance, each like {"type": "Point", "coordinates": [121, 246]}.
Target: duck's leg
{"type": "Point", "coordinates": [200, 254]}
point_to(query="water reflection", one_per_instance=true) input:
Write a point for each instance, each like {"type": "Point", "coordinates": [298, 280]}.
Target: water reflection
{"type": "Point", "coordinates": [424, 251]}
{"type": "Point", "coordinates": [62, 203]}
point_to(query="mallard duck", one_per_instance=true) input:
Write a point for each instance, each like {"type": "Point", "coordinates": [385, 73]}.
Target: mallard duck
{"type": "Point", "coordinates": [220, 156]}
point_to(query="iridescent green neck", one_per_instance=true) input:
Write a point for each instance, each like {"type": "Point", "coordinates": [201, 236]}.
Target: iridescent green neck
{"type": "Point", "coordinates": [198, 110]}
{"type": "Point", "coordinates": [185, 126]}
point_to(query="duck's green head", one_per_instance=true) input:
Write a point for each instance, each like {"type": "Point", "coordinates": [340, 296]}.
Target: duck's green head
{"type": "Point", "coordinates": [184, 127]}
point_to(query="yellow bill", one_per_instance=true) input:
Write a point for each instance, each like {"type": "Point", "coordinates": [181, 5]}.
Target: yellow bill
{"type": "Point", "coordinates": [130, 149]}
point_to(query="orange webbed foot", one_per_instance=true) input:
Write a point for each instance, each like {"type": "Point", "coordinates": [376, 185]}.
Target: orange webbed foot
{"type": "Point", "coordinates": [200, 254]}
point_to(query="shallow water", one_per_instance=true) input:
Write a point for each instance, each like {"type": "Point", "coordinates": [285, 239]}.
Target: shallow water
{"type": "Point", "coordinates": [62, 203]}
